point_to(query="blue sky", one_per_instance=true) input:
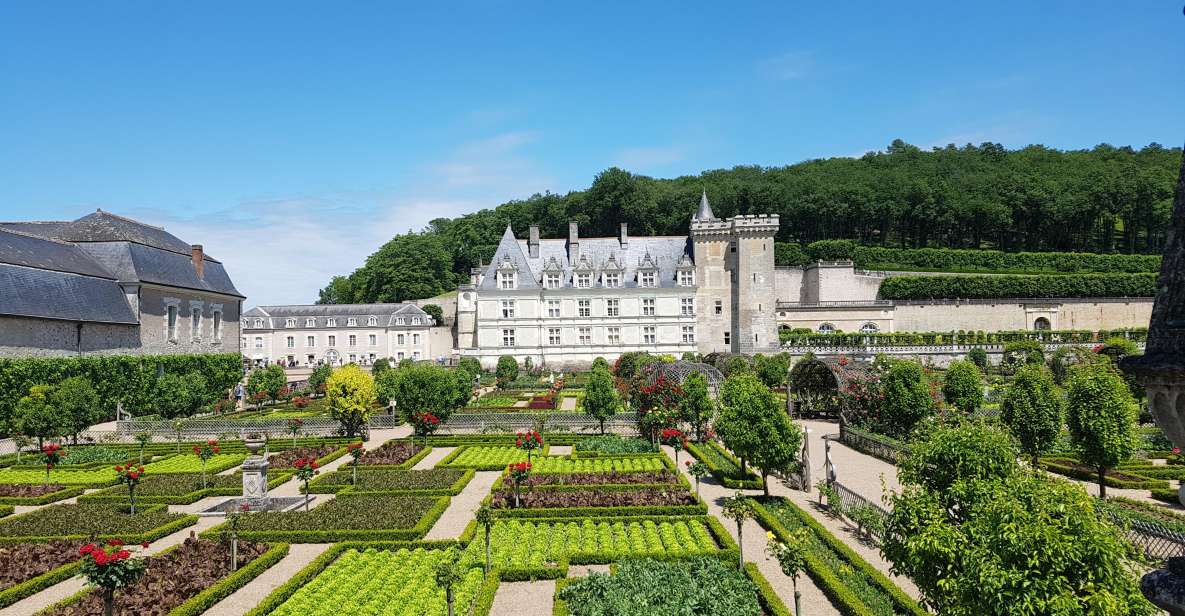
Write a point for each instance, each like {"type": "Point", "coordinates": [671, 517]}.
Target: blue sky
{"type": "Point", "coordinates": [293, 138]}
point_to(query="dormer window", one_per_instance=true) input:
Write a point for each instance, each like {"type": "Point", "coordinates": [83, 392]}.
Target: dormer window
{"type": "Point", "coordinates": [506, 280]}
{"type": "Point", "coordinates": [372, 321]}
{"type": "Point", "coordinates": [400, 320]}
{"type": "Point", "coordinates": [258, 323]}
{"type": "Point", "coordinates": [551, 280]}
{"type": "Point", "coordinates": [415, 320]}
{"type": "Point", "coordinates": [687, 278]}
{"type": "Point", "coordinates": [330, 322]}
{"type": "Point", "coordinates": [583, 281]}
{"type": "Point", "coordinates": [647, 279]}
{"type": "Point", "coordinates": [612, 280]}
{"type": "Point", "coordinates": [290, 323]}
{"type": "Point", "coordinates": [246, 324]}
{"type": "Point", "coordinates": [310, 322]}
{"type": "Point", "coordinates": [351, 322]}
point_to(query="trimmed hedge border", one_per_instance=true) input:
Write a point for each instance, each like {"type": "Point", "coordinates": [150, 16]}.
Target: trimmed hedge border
{"type": "Point", "coordinates": [1053, 465]}
{"type": "Point", "coordinates": [116, 494]}
{"type": "Point", "coordinates": [345, 488]}
{"type": "Point", "coordinates": [1166, 495]}
{"type": "Point", "coordinates": [719, 473]}
{"type": "Point", "coordinates": [6, 510]}
{"type": "Point", "coordinates": [1011, 286]}
{"type": "Point", "coordinates": [199, 603]}
{"type": "Point", "coordinates": [44, 499]}
{"type": "Point", "coordinates": [840, 595]}
{"type": "Point", "coordinates": [32, 586]}
{"type": "Point", "coordinates": [330, 535]}
{"type": "Point", "coordinates": [769, 599]}
{"type": "Point", "coordinates": [152, 535]}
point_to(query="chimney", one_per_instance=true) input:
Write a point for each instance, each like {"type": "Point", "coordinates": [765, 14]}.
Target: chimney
{"type": "Point", "coordinates": [573, 242]}
{"type": "Point", "coordinates": [199, 262]}
{"type": "Point", "coordinates": [625, 236]}
{"type": "Point", "coordinates": [533, 242]}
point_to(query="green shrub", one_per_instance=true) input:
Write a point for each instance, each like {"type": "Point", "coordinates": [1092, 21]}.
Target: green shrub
{"type": "Point", "coordinates": [954, 260]}
{"type": "Point", "coordinates": [349, 517]}
{"type": "Point", "coordinates": [614, 444]}
{"type": "Point", "coordinates": [703, 586]}
{"type": "Point", "coordinates": [993, 287]}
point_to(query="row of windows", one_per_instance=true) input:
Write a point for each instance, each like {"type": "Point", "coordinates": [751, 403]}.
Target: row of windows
{"type": "Point", "coordinates": [195, 323]}
{"type": "Point", "coordinates": [612, 307]}
{"type": "Point", "coordinates": [354, 358]}
{"type": "Point", "coordinates": [867, 328]}
{"type": "Point", "coordinates": [609, 280]}
{"type": "Point", "coordinates": [331, 322]}
{"type": "Point", "coordinates": [331, 340]}
{"type": "Point", "coordinates": [584, 335]}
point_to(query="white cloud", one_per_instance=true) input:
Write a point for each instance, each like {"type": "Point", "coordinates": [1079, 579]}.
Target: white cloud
{"type": "Point", "coordinates": [282, 251]}
{"type": "Point", "coordinates": [787, 66]}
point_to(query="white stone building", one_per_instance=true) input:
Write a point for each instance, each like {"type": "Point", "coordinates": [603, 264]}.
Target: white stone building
{"type": "Point", "coordinates": [337, 334]}
{"type": "Point", "coordinates": [564, 302]}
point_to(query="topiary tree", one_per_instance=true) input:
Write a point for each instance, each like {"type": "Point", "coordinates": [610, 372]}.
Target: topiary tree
{"type": "Point", "coordinates": [1033, 411]}
{"type": "Point", "coordinates": [599, 363]}
{"type": "Point", "coordinates": [349, 392]}
{"type": "Point", "coordinates": [979, 357]}
{"type": "Point", "coordinates": [952, 453]}
{"type": "Point", "coordinates": [471, 366]}
{"type": "Point", "coordinates": [754, 427]}
{"type": "Point", "coordinates": [34, 417]}
{"type": "Point", "coordinates": [78, 402]}
{"type": "Point", "coordinates": [739, 508]}
{"type": "Point", "coordinates": [600, 396]}
{"type": "Point", "coordinates": [485, 517]}
{"type": "Point", "coordinates": [906, 398]}
{"type": "Point", "coordinates": [318, 377]}
{"type": "Point", "coordinates": [1102, 417]}
{"type": "Point", "coordinates": [425, 388]}
{"type": "Point", "coordinates": [506, 371]}
{"type": "Point", "coordinates": [449, 574]}
{"type": "Point", "coordinates": [269, 381]}
{"type": "Point", "coordinates": [1019, 353]}
{"type": "Point", "coordinates": [772, 370]}
{"type": "Point", "coordinates": [380, 365]}
{"type": "Point", "coordinates": [697, 408]}
{"type": "Point", "coordinates": [180, 395]}
{"type": "Point", "coordinates": [963, 386]}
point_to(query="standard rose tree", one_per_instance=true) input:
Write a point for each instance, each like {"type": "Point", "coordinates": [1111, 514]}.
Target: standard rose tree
{"type": "Point", "coordinates": [528, 442]}
{"type": "Point", "coordinates": [518, 473]}
{"type": "Point", "coordinates": [675, 439]}
{"type": "Point", "coordinates": [355, 450]}
{"type": "Point", "coordinates": [205, 451]}
{"type": "Point", "coordinates": [424, 424]}
{"type": "Point", "coordinates": [51, 456]}
{"type": "Point", "coordinates": [699, 470]}
{"type": "Point", "coordinates": [110, 567]}
{"type": "Point", "coordinates": [306, 469]}
{"type": "Point", "coordinates": [295, 425]}
{"type": "Point", "coordinates": [130, 476]}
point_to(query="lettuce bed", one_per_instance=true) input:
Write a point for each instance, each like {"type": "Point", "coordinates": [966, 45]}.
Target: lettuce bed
{"type": "Point", "coordinates": [393, 583]}
{"type": "Point", "coordinates": [497, 458]}
{"type": "Point", "coordinates": [435, 482]}
{"type": "Point", "coordinates": [180, 488]}
{"type": "Point", "coordinates": [359, 517]}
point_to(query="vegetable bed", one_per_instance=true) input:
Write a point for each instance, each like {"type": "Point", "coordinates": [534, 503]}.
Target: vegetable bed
{"type": "Point", "coordinates": [175, 577]}
{"type": "Point", "coordinates": [437, 481]}
{"type": "Point", "coordinates": [497, 458]}
{"type": "Point", "coordinates": [87, 520]}
{"type": "Point", "coordinates": [393, 453]}
{"type": "Point", "coordinates": [595, 479]}
{"type": "Point", "coordinates": [645, 497]}
{"type": "Point", "coordinates": [361, 517]}
{"type": "Point", "coordinates": [180, 488]}
{"type": "Point", "coordinates": [35, 494]}
{"type": "Point", "coordinates": [389, 582]}
{"type": "Point", "coordinates": [321, 453]}
{"type": "Point", "coordinates": [724, 466]}
{"type": "Point", "coordinates": [31, 567]}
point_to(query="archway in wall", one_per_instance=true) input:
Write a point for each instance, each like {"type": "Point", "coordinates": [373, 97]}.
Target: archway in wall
{"type": "Point", "coordinates": [1041, 324]}
{"type": "Point", "coordinates": [817, 386]}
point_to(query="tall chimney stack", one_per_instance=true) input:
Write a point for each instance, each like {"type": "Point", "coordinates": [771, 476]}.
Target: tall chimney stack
{"type": "Point", "coordinates": [573, 242]}
{"type": "Point", "coordinates": [625, 236]}
{"type": "Point", "coordinates": [199, 262]}
{"type": "Point", "coordinates": [533, 242]}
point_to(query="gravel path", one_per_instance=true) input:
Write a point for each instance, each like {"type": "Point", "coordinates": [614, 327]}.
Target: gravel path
{"type": "Point", "coordinates": [462, 507]}
{"type": "Point", "coordinates": [559, 450]}
{"type": "Point", "coordinates": [524, 599]}
{"type": "Point", "coordinates": [568, 403]}
{"type": "Point", "coordinates": [814, 602]}
{"type": "Point", "coordinates": [436, 455]}
{"type": "Point", "coordinates": [247, 597]}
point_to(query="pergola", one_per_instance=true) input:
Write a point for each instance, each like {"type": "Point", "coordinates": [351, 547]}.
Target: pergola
{"type": "Point", "coordinates": [677, 372]}
{"type": "Point", "coordinates": [816, 384]}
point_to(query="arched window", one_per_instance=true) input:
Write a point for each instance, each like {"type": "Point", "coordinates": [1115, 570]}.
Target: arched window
{"type": "Point", "coordinates": [258, 323]}
{"type": "Point", "coordinates": [372, 321]}
{"type": "Point", "coordinates": [1041, 324]}
{"type": "Point", "coordinates": [869, 328]}
{"type": "Point", "coordinates": [826, 328]}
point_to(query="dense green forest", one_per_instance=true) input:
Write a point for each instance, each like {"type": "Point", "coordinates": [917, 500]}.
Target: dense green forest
{"type": "Point", "coordinates": [1036, 199]}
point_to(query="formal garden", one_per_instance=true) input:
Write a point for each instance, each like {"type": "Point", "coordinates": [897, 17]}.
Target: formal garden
{"type": "Point", "coordinates": [674, 487]}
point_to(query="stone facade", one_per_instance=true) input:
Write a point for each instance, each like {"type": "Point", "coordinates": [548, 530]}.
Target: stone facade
{"type": "Point", "coordinates": [309, 335]}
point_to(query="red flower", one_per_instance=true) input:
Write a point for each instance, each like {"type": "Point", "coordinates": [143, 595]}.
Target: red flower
{"type": "Point", "coordinates": [100, 557]}
{"type": "Point", "coordinates": [687, 462]}
{"type": "Point", "coordinates": [134, 475]}
{"type": "Point", "coordinates": [118, 468]}
{"type": "Point", "coordinates": [145, 544]}
{"type": "Point", "coordinates": [123, 554]}
{"type": "Point", "coordinates": [86, 549]}
{"type": "Point", "coordinates": [1176, 450]}
{"type": "Point", "coordinates": [115, 543]}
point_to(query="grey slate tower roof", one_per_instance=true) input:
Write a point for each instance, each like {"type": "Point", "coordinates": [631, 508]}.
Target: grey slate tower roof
{"type": "Point", "coordinates": [705, 208]}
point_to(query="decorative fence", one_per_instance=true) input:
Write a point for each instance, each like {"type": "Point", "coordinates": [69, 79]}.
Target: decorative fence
{"type": "Point", "coordinates": [1157, 542]}
{"type": "Point", "coordinates": [481, 423]}
{"type": "Point", "coordinates": [872, 444]}
{"type": "Point", "coordinates": [851, 500]}
{"type": "Point", "coordinates": [215, 428]}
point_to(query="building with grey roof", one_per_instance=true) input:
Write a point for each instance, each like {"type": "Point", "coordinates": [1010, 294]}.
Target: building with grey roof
{"type": "Point", "coordinates": [562, 302]}
{"type": "Point", "coordinates": [105, 284]}
{"type": "Point", "coordinates": [336, 334]}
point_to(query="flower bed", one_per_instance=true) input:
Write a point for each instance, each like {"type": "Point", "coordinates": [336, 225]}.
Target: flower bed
{"type": "Point", "coordinates": [435, 482]}
{"type": "Point", "coordinates": [403, 454]}
{"type": "Point", "coordinates": [323, 454]}
{"type": "Point", "coordinates": [497, 458]}
{"type": "Point", "coordinates": [349, 517]}
{"type": "Point", "coordinates": [35, 494]}
{"type": "Point", "coordinates": [543, 549]}
{"type": "Point", "coordinates": [397, 582]}
{"type": "Point", "coordinates": [851, 584]}
{"type": "Point", "coordinates": [189, 578]}
{"type": "Point", "coordinates": [180, 488]}
{"type": "Point", "coordinates": [646, 497]}
{"type": "Point", "coordinates": [724, 466]}
{"type": "Point", "coordinates": [92, 520]}
{"type": "Point", "coordinates": [31, 567]}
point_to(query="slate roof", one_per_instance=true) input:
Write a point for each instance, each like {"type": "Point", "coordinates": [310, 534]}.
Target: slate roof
{"type": "Point", "coordinates": [665, 252]}
{"type": "Point", "coordinates": [72, 270]}
{"type": "Point", "coordinates": [705, 208]}
{"type": "Point", "coordinates": [275, 316]}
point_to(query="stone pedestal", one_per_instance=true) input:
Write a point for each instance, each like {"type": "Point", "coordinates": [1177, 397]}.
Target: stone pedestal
{"type": "Point", "coordinates": [255, 477]}
{"type": "Point", "coordinates": [1165, 588]}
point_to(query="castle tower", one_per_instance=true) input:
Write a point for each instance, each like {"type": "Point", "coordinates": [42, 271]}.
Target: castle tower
{"type": "Point", "coordinates": [754, 300]}
{"type": "Point", "coordinates": [710, 239]}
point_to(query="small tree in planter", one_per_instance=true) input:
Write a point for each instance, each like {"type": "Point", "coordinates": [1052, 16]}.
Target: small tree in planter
{"type": "Point", "coordinates": [528, 442]}
{"type": "Point", "coordinates": [110, 567]}
{"type": "Point", "coordinates": [51, 455]}
{"type": "Point", "coordinates": [130, 476]}
{"type": "Point", "coordinates": [739, 508]}
{"type": "Point", "coordinates": [424, 424]}
{"type": "Point", "coordinates": [234, 519]}
{"type": "Point", "coordinates": [518, 473]}
{"type": "Point", "coordinates": [205, 451]}
{"type": "Point", "coordinates": [21, 441]}
{"type": "Point", "coordinates": [448, 576]}
{"type": "Point", "coordinates": [675, 439]}
{"type": "Point", "coordinates": [791, 557]}
{"type": "Point", "coordinates": [355, 450]}
{"type": "Point", "coordinates": [485, 517]}
{"type": "Point", "coordinates": [699, 470]}
{"type": "Point", "coordinates": [306, 468]}
{"type": "Point", "coordinates": [143, 438]}
{"type": "Point", "coordinates": [178, 425]}
{"type": "Point", "coordinates": [295, 425]}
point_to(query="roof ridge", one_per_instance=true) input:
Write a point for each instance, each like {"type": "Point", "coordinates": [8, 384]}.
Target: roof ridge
{"type": "Point", "coordinates": [35, 222]}
{"type": "Point", "coordinates": [125, 219]}
{"type": "Point", "coordinates": [35, 236]}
